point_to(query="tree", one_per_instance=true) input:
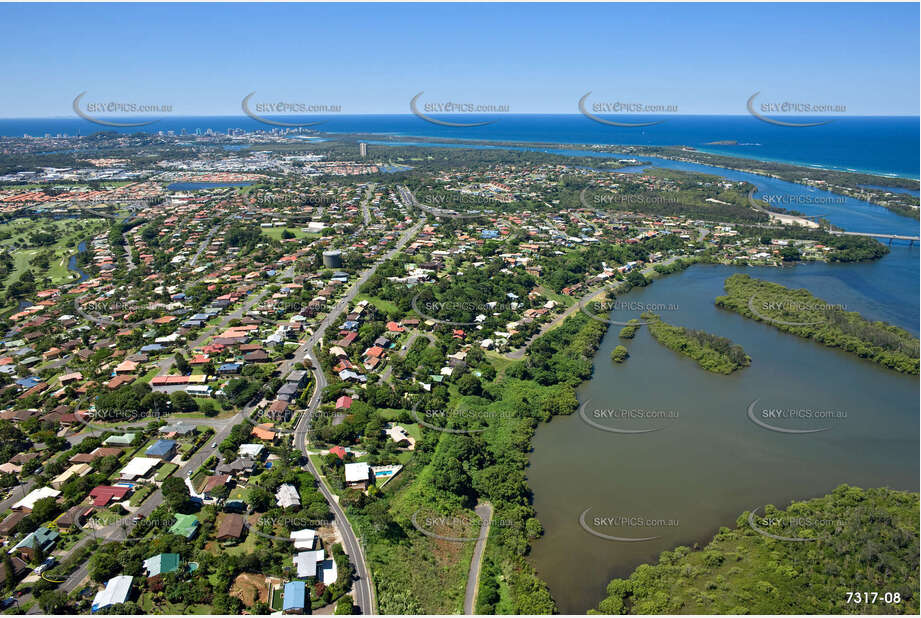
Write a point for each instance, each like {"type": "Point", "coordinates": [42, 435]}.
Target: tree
{"type": "Point", "coordinates": [790, 254]}
{"type": "Point", "coordinates": [259, 499]}
{"type": "Point", "coordinates": [468, 384]}
{"type": "Point", "coordinates": [52, 601]}
{"type": "Point", "coordinates": [155, 404]}
{"type": "Point", "coordinates": [181, 363]}
{"type": "Point", "coordinates": [45, 509]}
{"type": "Point", "coordinates": [636, 279]}
{"type": "Point", "coordinates": [183, 402]}
{"type": "Point", "coordinates": [103, 567]}
{"type": "Point", "coordinates": [260, 609]}
{"type": "Point", "coordinates": [175, 493]}
{"type": "Point", "coordinates": [345, 606]}
{"type": "Point", "coordinates": [619, 354]}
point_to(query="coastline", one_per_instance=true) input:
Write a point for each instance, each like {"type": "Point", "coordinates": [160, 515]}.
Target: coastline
{"type": "Point", "coordinates": [598, 146]}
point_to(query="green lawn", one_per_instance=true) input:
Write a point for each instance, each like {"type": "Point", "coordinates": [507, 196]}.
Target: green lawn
{"type": "Point", "coordinates": [498, 361]}
{"type": "Point", "coordinates": [248, 546]}
{"type": "Point", "coordinates": [275, 232]}
{"type": "Point", "coordinates": [140, 495]}
{"type": "Point", "coordinates": [68, 234]}
{"type": "Point", "coordinates": [386, 306]}
{"type": "Point", "coordinates": [165, 470]}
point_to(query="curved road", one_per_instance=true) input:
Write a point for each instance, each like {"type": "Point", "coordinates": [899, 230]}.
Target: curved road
{"type": "Point", "coordinates": [484, 512]}
{"type": "Point", "coordinates": [364, 590]}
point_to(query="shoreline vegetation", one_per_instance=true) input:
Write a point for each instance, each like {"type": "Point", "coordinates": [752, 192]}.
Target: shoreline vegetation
{"type": "Point", "coordinates": [850, 183]}
{"type": "Point", "coordinates": [800, 313]}
{"type": "Point", "coordinates": [712, 352]}
{"type": "Point", "coordinates": [629, 331]}
{"type": "Point", "coordinates": [481, 457]}
{"type": "Point", "coordinates": [619, 354]}
{"type": "Point", "coordinates": [861, 539]}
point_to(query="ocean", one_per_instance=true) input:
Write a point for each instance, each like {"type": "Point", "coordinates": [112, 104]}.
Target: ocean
{"type": "Point", "coordinates": [880, 145]}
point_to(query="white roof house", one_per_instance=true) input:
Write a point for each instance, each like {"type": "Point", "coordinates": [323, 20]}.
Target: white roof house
{"type": "Point", "coordinates": [356, 472]}
{"type": "Point", "coordinates": [28, 502]}
{"type": "Point", "coordinates": [304, 539]}
{"type": "Point", "coordinates": [116, 591]}
{"type": "Point", "coordinates": [138, 467]}
{"type": "Point", "coordinates": [287, 496]}
{"type": "Point", "coordinates": [327, 571]}
{"type": "Point", "coordinates": [251, 451]}
{"type": "Point", "coordinates": [306, 562]}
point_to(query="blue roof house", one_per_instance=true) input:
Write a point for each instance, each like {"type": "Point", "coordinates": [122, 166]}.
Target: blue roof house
{"type": "Point", "coordinates": [295, 597]}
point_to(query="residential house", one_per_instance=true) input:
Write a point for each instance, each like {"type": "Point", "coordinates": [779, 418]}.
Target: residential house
{"type": "Point", "coordinates": [42, 539]}
{"type": "Point", "coordinates": [161, 564]}
{"type": "Point", "coordinates": [287, 496]}
{"type": "Point", "coordinates": [357, 475]}
{"type": "Point", "coordinates": [186, 525]}
{"type": "Point", "coordinates": [230, 528]}
{"type": "Point", "coordinates": [117, 590]}
{"type": "Point", "coordinates": [163, 450]}
{"type": "Point", "coordinates": [104, 494]}
{"type": "Point", "coordinates": [295, 594]}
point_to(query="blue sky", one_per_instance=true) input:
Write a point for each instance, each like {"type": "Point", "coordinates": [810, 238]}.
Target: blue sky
{"type": "Point", "coordinates": [372, 58]}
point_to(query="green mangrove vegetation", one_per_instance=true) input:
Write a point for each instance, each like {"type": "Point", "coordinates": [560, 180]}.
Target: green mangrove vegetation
{"type": "Point", "coordinates": [629, 331]}
{"type": "Point", "coordinates": [712, 352]}
{"type": "Point", "coordinates": [800, 313]}
{"type": "Point", "coordinates": [859, 540]}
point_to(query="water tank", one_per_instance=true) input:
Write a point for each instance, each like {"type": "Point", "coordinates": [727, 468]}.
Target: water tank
{"type": "Point", "coordinates": [332, 259]}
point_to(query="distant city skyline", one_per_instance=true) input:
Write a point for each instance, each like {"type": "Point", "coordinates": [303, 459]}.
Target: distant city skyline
{"type": "Point", "coordinates": [203, 59]}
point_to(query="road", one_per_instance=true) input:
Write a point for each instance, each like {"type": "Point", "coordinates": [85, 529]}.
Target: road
{"type": "Point", "coordinates": [365, 212]}
{"type": "Point", "coordinates": [590, 296]}
{"type": "Point", "coordinates": [17, 494]}
{"type": "Point", "coordinates": [484, 512]}
{"type": "Point", "coordinates": [364, 589]}
{"type": "Point", "coordinates": [115, 532]}
{"type": "Point", "coordinates": [165, 363]}
{"type": "Point", "coordinates": [409, 200]}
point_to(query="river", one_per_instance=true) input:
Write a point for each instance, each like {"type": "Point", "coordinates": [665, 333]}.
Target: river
{"type": "Point", "coordinates": [707, 462]}
{"type": "Point", "coordinates": [72, 263]}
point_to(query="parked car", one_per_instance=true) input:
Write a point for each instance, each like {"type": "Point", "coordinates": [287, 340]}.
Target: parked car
{"type": "Point", "coordinates": [7, 602]}
{"type": "Point", "coordinates": [47, 564]}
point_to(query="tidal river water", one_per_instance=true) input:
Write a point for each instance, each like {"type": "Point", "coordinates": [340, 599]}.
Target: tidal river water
{"type": "Point", "coordinates": [708, 462]}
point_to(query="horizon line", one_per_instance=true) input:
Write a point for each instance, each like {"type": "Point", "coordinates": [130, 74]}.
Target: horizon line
{"type": "Point", "coordinates": [463, 115]}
